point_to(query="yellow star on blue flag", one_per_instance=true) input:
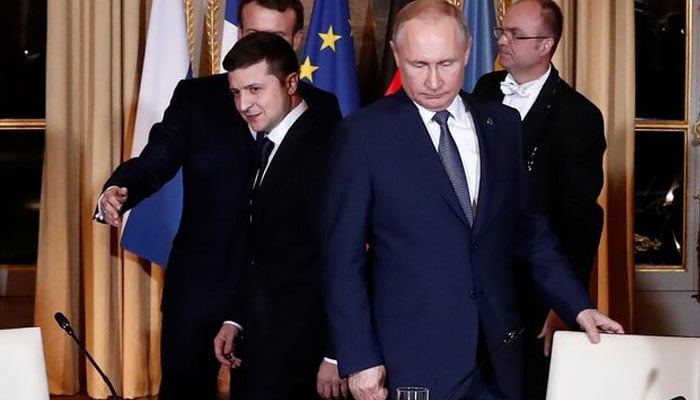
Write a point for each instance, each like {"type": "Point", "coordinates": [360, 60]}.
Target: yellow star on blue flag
{"type": "Point", "coordinates": [329, 38]}
{"type": "Point", "coordinates": [329, 59]}
{"type": "Point", "coordinates": [306, 70]}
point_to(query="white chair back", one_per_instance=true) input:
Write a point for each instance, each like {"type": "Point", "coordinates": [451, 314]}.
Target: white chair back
{"type": "Point", "coordinates": [22, 365]}
{"type": "Point", "coordinates": [624, 367]}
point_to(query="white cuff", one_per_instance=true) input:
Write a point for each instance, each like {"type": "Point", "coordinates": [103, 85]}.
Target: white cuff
{"type": "Point", "coordinates": [236, 324]}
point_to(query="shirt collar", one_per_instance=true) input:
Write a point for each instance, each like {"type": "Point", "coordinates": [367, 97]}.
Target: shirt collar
{"type": "Point", "coordinates": [457, 110]}
{"type": "Point", "coordinates": [534, 86]}
{"type": "Point", "coordinates": [277, 134]}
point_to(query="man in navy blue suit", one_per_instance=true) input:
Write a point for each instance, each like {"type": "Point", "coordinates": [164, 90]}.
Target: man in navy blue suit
{"type": "Point", "coordinates": [433, 181]}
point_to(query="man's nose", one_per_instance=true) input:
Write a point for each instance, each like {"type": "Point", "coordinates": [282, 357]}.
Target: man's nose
{"type": "Point", "coordinates": [433, 81]}
{"type": "Point", "coordinates": [243, 102]}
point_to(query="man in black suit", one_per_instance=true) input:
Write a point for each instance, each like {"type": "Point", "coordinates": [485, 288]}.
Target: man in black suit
{"type": "Point", "coordinates": [280, 307]}
{"type": "Point", "coordinates": [562, 143]}
{"type": "Point", "coordinates": [203, 134]}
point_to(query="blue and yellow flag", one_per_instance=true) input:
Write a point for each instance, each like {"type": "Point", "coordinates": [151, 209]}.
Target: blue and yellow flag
{"type": "Point", "coordinates": [329, 59]}
{"type": "Point", "coordinates": [481, 17]}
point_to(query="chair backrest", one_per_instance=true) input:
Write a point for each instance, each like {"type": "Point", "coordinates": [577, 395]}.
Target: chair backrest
{"type": "Point", "coordinates": [622, 367]}
{"type": "Point", "coordinates": [22, 366]}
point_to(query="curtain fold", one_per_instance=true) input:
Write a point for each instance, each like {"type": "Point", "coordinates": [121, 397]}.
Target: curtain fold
{"type": "Point", "coordinates": [94, 59]}
{"type": "Point", "coordinates": [94, 52]}
{"type": "Point", "coordinates": [598, 60]}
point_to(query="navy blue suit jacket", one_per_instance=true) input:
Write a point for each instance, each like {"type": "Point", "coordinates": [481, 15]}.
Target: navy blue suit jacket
{"type": "Point", "coordinates": [417, 301]}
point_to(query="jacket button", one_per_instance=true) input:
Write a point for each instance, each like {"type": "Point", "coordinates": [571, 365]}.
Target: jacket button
{"type": "Point", "coordinates": [475, 246]}
{"type": "Point", "coordinates": [472, 294]}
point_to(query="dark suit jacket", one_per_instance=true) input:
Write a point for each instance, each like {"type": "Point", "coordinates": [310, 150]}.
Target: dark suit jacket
{"type": "Point", "coordinates": [202, 133]}
{"type": "Point", "coordinates": [325, 105]}
{"type": "Point", "coordinates": [282, 307]}
{"type": "Point", "coordinates": [431, 284]}
{"type": "Point", "coordinates": [567, 166]}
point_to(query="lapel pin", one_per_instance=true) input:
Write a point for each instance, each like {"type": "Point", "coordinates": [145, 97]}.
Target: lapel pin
{"type": "Point", "coordinates": [489, 121]}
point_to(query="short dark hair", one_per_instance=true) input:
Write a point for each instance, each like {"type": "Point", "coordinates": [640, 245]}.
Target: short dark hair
{"type": "Point", "coordinates": [259, 46]}
{"type": "Point", "coordinates": [279, 5]}
{"type": "Point", "coordinates": [553, 19]}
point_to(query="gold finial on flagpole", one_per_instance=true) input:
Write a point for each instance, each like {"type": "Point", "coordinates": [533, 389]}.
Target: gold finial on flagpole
{"type": "Point", "coordinates": [501, 7]}
{"type": "Point", "coordinates": [213, 43]}
{"type": "Point", "coordinates": [191, 33]}
{"type": "Point", "coordinates": [457, 3]}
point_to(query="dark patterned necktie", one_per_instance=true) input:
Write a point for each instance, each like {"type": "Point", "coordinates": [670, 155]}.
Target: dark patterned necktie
{"type": "Point", "coordinates": [452, 162]}
{"type": "Point", "coordinates": [266, 146]}
{"type": "Point", "coordinates": [259, 138]}
{"type": "Point", "coordinates": [265, 150]}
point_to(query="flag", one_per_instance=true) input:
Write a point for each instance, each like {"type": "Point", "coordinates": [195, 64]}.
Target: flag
{"type": "Point", "coordinates": [230, 31]}
{"type": "Point", "coordinates": [391, 79]}
{"type": "Point", "coordinates": [151, 226]}
{"type": "Point", "coordinates": [481, 17]}
{"type": "Point", "coordinates": [329, 59]}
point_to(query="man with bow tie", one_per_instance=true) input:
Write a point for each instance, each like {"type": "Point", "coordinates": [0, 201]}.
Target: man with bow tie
{"type": "Point", "coordinates": [563, 143]}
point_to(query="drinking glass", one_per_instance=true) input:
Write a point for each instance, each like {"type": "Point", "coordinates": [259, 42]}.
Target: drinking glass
{"type": "Point", "coordinates": [412, 393]}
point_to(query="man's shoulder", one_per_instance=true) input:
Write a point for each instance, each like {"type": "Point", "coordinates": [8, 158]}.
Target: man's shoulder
{"type": "Point", "coordinates": [494, 76]}
{"type": "Point", "coordinates": [311, 92]}
{"type": "Point", "coordinates": [318, 99]}
{"type": "Point", "coordinates": [488, 107]}
{"type": "Point", "coordinates": [217, 82]}
{"type": "Point", "coordinates": [385, 108]}
{"type": "Point", "coordinates": [488, 86]}
{"type": "Point", "coordinates": [569, 100]}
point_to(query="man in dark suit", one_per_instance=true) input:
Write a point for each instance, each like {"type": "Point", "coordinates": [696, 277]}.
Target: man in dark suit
{"type": "Point", "coordinates": [280, 308]}
{"type": "Point", "coordinates": [433, 181]}
{"type": "Point", "coordinates": [563, 142]}
{"type": "Point", "coordinates": [203, 134]}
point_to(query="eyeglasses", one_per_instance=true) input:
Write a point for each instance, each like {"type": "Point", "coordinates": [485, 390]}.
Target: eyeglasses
{"type": "Point", "coordinates": [510, 35]}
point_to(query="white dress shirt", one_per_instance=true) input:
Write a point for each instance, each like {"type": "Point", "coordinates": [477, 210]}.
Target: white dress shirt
{"type": "Point", "coordinates": [278, 133]}
{"type": "Point", "coordinates": [531, 89]}
{"type": "Point", "coordinates": [462, 128]}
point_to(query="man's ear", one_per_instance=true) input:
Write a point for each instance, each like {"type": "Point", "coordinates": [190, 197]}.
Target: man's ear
{"type": "Point", "coordinates": [468, 51]}
{"type": "Point", "coordinates": [296, 40]}
{"type": "Point", "coordinates": [292, 83]}
{"type": "Point", "coordinates": [546, 46]}
{"type": "Point", "coordinates": [394, 51]}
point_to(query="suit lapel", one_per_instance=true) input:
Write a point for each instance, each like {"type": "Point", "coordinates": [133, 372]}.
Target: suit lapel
{"type": "Point", "coordinates": [410, 133]}
{"type": "Point", "coordinates": [485, 125]}
{"type": "Point", "coordinates": [292, 143]}
{"type": "Point", "coordinates": [536, 118]}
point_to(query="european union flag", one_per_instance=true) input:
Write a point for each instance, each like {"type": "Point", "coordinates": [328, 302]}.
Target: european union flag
{"type": "Point", "coordinates": [329, 59]}
{"type": "Point", "coordinates": [481, 17]}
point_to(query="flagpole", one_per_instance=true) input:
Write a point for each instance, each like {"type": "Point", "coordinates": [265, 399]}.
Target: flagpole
{"type": "Point", "coordinates": [191, 33]}
{"type": "Point", "coordinates": [212, 20]}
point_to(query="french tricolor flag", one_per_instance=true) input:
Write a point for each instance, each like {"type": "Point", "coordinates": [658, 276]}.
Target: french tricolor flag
{"type": "Point", "coordinates": [151, 226]}
{"type": "Point", "coordinates": [230, 31]}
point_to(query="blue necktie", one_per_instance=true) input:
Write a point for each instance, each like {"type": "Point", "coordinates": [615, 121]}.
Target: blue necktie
{"type": "Point", "coordinates": [452, 162]}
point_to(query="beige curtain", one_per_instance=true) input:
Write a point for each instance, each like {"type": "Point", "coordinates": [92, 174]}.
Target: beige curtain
{"type": "Point", "coordinates": [597, 58]}
{"type": "Point", "coordinates": [93, 60]}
